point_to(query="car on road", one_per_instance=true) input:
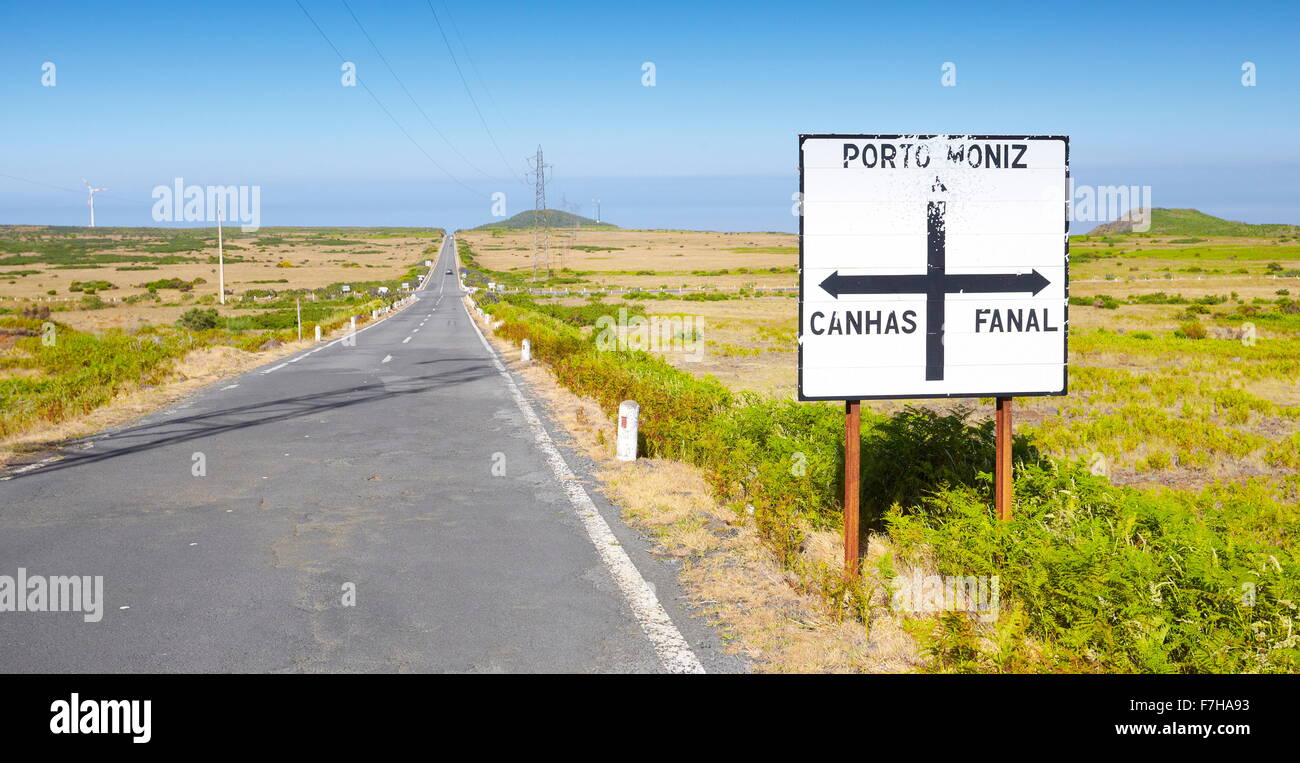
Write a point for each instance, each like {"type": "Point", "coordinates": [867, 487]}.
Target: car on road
{"type": "Point", "coordinates": [448, 271]}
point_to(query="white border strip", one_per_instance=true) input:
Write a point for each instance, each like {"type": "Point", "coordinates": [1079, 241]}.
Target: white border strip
{"type": "Point", "coordinates": [674, 653]}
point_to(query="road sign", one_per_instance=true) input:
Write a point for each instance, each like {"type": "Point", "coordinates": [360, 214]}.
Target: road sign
{"type": "Point", "coordinates": [932, 266]}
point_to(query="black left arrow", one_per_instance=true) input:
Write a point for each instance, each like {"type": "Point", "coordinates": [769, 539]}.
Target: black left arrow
{"type": "Point", "coordinates": [836, 284]}
{"type": "Point", "coordinates": [971, 283]}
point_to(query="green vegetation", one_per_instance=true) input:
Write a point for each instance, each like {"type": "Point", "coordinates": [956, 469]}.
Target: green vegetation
{"type": "Point", "coordinates": [1191, 223]}
{"type": "Point", "coordinates": [553, 217]}
{"type": "Point", "coordinates": [172, 283]}
{"type": "Point", "coordinates": [580, 315]}
{"type": "Point", "coordinates": [199, 319]}
{"type": "Point", "coordinates": [1177, 401]}
{"type": "Point", "coordinates": [77, 372]}
{"type": "Point", "coordinates": [1094, 577]}
{"type": "Point", "coordinates": [90, 287]}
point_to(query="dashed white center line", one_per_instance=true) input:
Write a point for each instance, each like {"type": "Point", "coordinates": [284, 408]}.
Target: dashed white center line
{"type": "Point", "coordinates": [404, 341]}
{"type": "Point", "coordinates": [386, 358]}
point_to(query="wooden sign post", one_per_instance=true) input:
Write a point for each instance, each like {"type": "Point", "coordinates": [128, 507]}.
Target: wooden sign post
{"type": "Point", "coordinates": [1002, 460]}
{"type": "Point", "coordinates": [852, 465]}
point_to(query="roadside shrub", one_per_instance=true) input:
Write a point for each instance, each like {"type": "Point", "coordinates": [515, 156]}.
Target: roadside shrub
{"type": "Point", "coordinates": [90, 287]}
{"type": "Point", "coordinates": [1115, 580]}
{"type": "Point", "coordinates": [80, 372]}
{"type": "Point", "coordinates": [918, 452]}
{"type": "Point", "coordinates": [199, 319]}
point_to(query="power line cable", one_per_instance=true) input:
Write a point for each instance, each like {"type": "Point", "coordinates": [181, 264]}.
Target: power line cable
{"type": "Point", "coordinates": [477, 75]}
{"type": "Point", "coordinates": [384, 108]}
{"type": "Point", "coordinates": [465, 82]}
{"type": "Point", "coordinates": [402, 85]}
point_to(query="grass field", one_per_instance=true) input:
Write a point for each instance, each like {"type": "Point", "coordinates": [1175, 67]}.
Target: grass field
{"type": "Point", "coordinates": [1149, 403]}
{"type": "Point", "coordinates": [87, 315]}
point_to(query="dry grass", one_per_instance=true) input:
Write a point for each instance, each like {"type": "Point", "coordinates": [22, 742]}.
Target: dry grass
{"type": "Point", "coordinates": [632, 250]}
{"type": "Point", "coordinates": [314, 266]}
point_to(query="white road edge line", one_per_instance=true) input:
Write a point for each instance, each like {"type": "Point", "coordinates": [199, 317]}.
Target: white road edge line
{"type": "Point", "coordinates": [674, 653]}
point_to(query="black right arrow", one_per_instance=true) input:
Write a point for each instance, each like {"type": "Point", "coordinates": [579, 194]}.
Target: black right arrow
{"type": "Point", "coordinates": [995, 282]}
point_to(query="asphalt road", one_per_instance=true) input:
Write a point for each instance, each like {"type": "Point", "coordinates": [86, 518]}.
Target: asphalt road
{"type": "Point", "coordinates": [366, 467]}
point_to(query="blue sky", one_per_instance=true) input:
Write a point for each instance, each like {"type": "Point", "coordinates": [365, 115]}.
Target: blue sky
{"type": "Point", "coordinates": [249, 93]}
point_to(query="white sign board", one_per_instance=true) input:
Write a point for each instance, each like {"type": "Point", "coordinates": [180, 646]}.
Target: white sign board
{"type": "Point", "coordinates": [932, 266]}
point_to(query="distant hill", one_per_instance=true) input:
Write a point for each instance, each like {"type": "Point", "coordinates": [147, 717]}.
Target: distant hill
{"type": "Point", "coordinates": [555, 217]}
{"type": "Point", "coordinates": [1192, 222]}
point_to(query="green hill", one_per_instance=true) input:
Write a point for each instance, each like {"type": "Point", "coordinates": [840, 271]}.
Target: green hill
{"type": "Point", "coordinates": [555, 217]}
{"type": "Point", "coordinates": [1192, 222]}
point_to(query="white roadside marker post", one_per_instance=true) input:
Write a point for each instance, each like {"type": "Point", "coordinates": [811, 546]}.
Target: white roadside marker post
{"type": "Point", "coordinates": [629, 416]}
{"type": "Point", "coordinates": [526, 352]}
{"type": "Point", "coordinates": [317, 332]}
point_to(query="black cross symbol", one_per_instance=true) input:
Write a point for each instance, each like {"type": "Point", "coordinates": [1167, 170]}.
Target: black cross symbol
{"type": "Point", "coordinates": [935, 283]}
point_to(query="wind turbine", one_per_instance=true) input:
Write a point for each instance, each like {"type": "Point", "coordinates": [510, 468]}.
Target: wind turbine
{"type": "Point", "coordinates": [90, 199]}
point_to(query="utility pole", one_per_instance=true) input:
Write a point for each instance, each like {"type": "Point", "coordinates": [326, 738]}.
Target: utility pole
{"type": "Point", "coordinates": [541, 221]}
{"type": "Point", "coordinates": [221, 260]}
